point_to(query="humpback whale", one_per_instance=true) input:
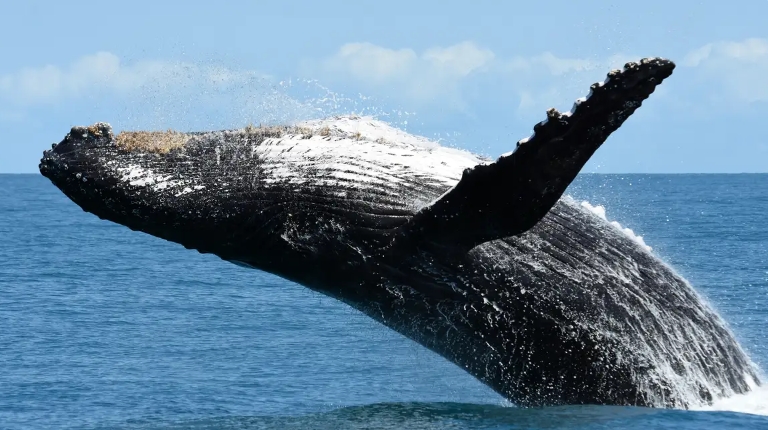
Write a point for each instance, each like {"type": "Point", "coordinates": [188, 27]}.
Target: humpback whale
{"type": "Point", "coordinates": [486, 262]}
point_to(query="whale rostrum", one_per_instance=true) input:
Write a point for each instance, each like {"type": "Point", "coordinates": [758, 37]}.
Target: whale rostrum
{"type": "Point", "coordinates": [485, 262]}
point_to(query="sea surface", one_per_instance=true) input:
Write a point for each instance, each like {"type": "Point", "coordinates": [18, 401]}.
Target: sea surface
{"type": "Point", "coordinates": [102, 327]}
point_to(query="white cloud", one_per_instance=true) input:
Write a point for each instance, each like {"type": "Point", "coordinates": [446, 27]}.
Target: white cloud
{"type": "Point", "coordinates": [458, 60]}
{"type": "Point", "coordinates": [161, 93]}
{"type": "Point", "coordinates": [436, 71]}
{"type": "Point", "coordinates": [366, 61]}
{"type": "Point", "coordinates": [751, 51]}
{"type": "Point", "coordinates": [739, 68]}
{"type": "Point", "coordinates": [151, 94]}
{"type": "Point", "coordinates": [104, 71]}
{"type": "Point", "coordinates": [374, 64]}
{"type": "Point", "coordinates": [442, 75]}
{"type": "Point", "coordinates": [548, 62]}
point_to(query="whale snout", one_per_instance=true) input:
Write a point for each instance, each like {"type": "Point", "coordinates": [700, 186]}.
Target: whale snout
{"type": "Point", "coordinates": [76, 157]}
{"type": "Point", "coordinates": [84, 138]}
{"type": "Point", "coordinates": [145, 181]}
{"type": "Point", "coordinates": [88, 167]}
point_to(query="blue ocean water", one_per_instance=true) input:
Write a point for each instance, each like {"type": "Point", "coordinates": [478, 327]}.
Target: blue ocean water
{"type": "Point", "coordinates": [101, 327]}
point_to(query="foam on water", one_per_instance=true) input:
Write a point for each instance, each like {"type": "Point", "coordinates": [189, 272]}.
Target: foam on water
{"type": "Point", "coordinates": [754, 402]}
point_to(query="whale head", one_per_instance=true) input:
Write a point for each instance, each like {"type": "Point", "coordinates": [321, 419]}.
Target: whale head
{"type": "Point", "coordinates": [205, 192]}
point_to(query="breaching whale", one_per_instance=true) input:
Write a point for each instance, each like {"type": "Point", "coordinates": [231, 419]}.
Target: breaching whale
{"type": "Point", "coordinates": [485, 262]}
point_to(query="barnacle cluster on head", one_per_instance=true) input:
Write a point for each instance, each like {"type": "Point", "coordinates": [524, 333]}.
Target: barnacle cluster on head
{"type": "Point", "coordinates": [100, 129]}
{"type": "Point", "coordinates": [151, 141]}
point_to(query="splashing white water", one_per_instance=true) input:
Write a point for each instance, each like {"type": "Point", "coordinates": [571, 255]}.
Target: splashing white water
{"type": "Point", "coordinates": [600, 212]}
{"type": "Point", "coordinates": [754, 402]}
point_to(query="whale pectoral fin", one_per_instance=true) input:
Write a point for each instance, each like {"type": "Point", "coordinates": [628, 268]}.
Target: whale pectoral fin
{"type": "Point", "coordinates": [511, 195]}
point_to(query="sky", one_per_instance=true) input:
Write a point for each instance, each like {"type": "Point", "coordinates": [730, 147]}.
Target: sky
{"type": "Point", "coordinates": [476, 75]}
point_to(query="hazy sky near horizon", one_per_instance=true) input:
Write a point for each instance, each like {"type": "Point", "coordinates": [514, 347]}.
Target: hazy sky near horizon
{"type": "Point", "coordinates": [477, 75]}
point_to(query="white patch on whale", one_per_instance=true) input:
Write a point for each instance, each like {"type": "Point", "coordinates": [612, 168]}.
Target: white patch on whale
{"type": "Point", "coordinates": [139, 176]}
{"type": "Point", "coordinates": [353, 151]}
